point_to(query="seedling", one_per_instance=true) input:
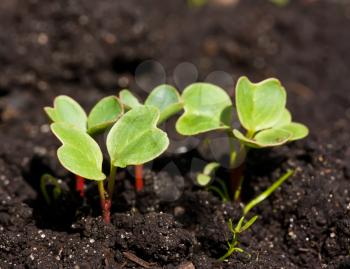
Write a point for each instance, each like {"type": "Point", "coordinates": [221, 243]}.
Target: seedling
{"type": "Point", "coordinates": [133, 140]}
{"type": "Point", "coordinates": [242, 225]}
{"type": "Point", "coordinates": [164, 97]}
{"type": "Point", "coordinates": [101, 117]}
{"type": "Point", "coordinates": [206, 178]}
{"type": "Point", "coordinates": [233, 244]}
{"type": "Point", "coordinates": [46, 180]}
{"type": "Point", "coordinates": [261, 111]}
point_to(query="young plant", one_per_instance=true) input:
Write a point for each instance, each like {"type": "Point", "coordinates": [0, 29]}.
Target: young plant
{"type": "Point", "coordinates": [261, 111]}
{"type": "Point", "coordinates": [133, 139]}
{"type": "Point", "coordinates": [206, 178]}
{"type": "Point", "coordinates": [233, 244]}
{"type": "Point", "coordinates": [164, 97]}
{"type": "Point", "coordinates": [101, 117]}
{"type": "Point", "coordinates": [241, 226]}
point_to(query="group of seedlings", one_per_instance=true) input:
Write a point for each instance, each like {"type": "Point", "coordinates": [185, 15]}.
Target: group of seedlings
{"type": "Point", "coordinates": [134, 136]}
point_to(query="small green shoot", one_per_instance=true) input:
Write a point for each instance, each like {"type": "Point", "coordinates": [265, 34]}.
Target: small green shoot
{"type": "Point", "coordinates": [240, 227]}
{"type": "Point", "coordinates": [261, 197]}
{"type": "Point", "coordinates": [233, 244]}
{"type": "Point", "coordinates": [206, 178]}
{"type": "Point", "coordinates": [46, 180]}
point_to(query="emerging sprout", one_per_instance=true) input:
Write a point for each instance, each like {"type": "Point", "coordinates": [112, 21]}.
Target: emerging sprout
{"type": "Point", "coordinates": [261, 111]}
{"type": "Point", "coordinates": [46, 180]}
{"type": "Point", "coordinates": [235, 232]}
{"type": "Point", "coordinates": [133, 140]}
{"type": "Point", "coordinates": [164, 97]}
{"type": "Point", "coordinates": [242, 226]}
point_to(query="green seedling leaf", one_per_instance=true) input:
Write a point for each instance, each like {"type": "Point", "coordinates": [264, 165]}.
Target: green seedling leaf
{"type": "Point", "coordinates": [69, 111]}
{"type": "Point", "coordinates": [238, 226]}
{"type": "Point", "coordinates": [261, 197]}
{"type": "Point", "coordinates": [248, 224]}
{"type": "Point", "coordinates": [167, 99]}
{"type": "Point", "coordinates": [204, 178]}
{"type": "Point", "coordinates": [128, 99]}
{"type": "Point", "coordinates": [210, 168]}
{"type": "Point", "coordinates": [135, 139]}
{"type": "Point", "coordinates": [285, 119]}
{"type": "Point", "coordinates": [104, 114]}
{"type": "Point", "coordinates": [266, 138]}
{"type": "Point", "coordinates": [206, 108]}
{"type": "Point", "coordinates": [297, 130]}
{"type": "Point", "coordinates": [79, 154]}
{"type": "Point", "coordinates": [259, 105]}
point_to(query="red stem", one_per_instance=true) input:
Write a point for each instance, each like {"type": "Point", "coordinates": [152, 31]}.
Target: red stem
{"type": "Point", "coordinates": [79, 185]}
{"type": "Point", "coordinates": [106, 210]}
{"type": "Point", "coordinates": [236, 175]}
{"type": "Point", "coordinates": [139, 177]}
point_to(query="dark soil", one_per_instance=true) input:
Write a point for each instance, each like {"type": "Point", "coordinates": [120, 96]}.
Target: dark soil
{"type": "Point", "coordinates": [88, 49]}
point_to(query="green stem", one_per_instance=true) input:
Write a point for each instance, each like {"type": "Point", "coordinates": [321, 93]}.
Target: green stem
{"type": "Point", "coordinates": [228, 254]}
{"type": "Point", "coordinates": [261, 197]}
{"type": "Point", "coordinates": [222, 195]}
{"type": "Point", "coordinates": [101, 191]}
{"type": "Point", "coordinates": [111, 181]}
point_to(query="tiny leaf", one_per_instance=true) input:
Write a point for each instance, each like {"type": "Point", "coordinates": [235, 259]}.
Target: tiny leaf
{"type": "Point", "coordinates": [104, 114]}
{"type": "Point", "coordinates": [265, 138]}
{"type": "Point", "coordinates": [210, 168]}
{"type": "Point", "coordinates": [203, 179]}
{"type": "Point", "coordinates": [167, 99]}
{"type": "Point", "coordinates": [128, 99]}
{"type": "Point", "coordinates": [79, 154]}
{"type": "Point", "coordinates": [297, 130]}
{"type": "Point", "coordinates": [248, 224]}
{"type": "Point", "coordinates": [259, 105]}
{"type": "Point", "coordinates": [206, 107]}
{"type": "Point", "coordinates": [135, 139]}
{"type": "Point", "coordinates": [69, 111]}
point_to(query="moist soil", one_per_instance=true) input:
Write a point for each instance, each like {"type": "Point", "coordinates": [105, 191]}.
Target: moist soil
{"type": "Point", "coordinates": [89, 49]}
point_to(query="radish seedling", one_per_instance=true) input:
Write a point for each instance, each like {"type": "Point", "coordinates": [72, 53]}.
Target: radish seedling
{"type": "Point", "coordinates": [133, 140]}
{"type": "Point", "coordinates": [102, 116]}
{"type": "Point", "coordinates": [261, 111]}
{"type": "Point", "coordinates": [164, 97]}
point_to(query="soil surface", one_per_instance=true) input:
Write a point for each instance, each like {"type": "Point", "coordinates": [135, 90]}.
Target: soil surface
{"type": "Point", "coordinates": [89, 49]}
